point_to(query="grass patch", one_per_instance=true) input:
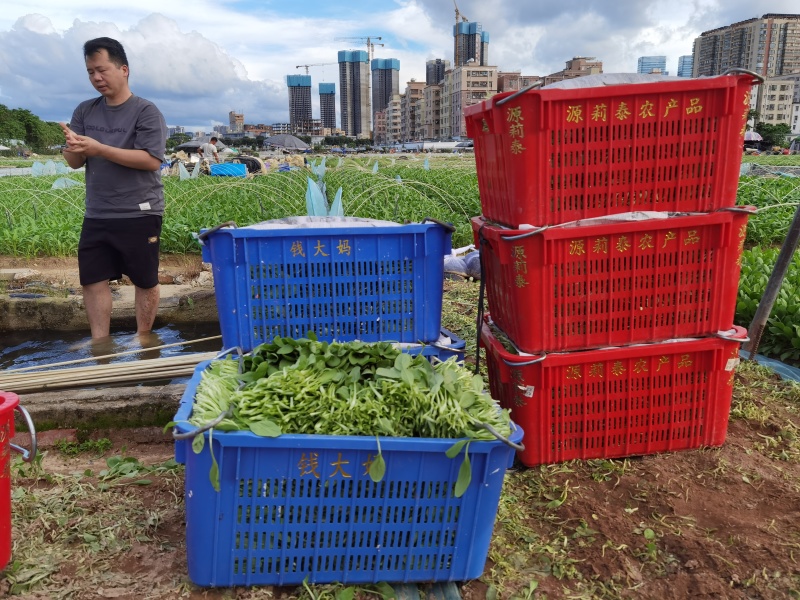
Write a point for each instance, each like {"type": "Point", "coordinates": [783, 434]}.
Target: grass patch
{"type": "Point", "coordinates": [98, 447]}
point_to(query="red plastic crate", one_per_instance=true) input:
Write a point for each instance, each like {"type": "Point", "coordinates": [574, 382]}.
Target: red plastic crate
{"type": "Point", "coordinates": [616, 402]}
{"type": "Point", "coordinates": [8, 402]}
{"type": "Point", "coordinates": [582, 287]}
{"type": "Point", "coordinates": [552, 156]}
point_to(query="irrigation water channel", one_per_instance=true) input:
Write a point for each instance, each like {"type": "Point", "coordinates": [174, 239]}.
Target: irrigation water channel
{"type": "Point", "coordinates": [40, 348]}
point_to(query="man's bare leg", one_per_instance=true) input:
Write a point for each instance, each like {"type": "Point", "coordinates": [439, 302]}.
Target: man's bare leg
{"type": "Point", "coordinates": [146, 307]}
{"type": "Point", "coordinates": [97, 300]}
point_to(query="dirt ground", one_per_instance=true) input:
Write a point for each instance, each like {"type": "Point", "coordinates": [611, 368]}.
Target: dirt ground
{"type": "Point", "coordinates": [710, 523]}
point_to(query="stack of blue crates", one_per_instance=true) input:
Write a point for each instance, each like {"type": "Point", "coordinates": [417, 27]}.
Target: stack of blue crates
{"type": "Point", "coordinates": [303, 508]}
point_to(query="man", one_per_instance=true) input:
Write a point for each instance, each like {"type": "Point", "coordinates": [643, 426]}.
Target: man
{"type": "Point", "coordinates": [208, 151]}
{"type": "Point", "coordinates": [121, 140]}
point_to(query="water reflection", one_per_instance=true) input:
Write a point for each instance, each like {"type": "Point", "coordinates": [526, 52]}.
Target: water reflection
{"type": "Point", "coordinates": [20, 349]}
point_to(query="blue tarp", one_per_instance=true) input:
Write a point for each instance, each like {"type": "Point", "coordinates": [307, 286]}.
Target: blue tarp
{"type": "Point", "coordinates": [783, 370]}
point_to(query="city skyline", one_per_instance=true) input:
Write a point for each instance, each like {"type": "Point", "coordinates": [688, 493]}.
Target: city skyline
{"type": "Point", "coordinates": [197, 65]}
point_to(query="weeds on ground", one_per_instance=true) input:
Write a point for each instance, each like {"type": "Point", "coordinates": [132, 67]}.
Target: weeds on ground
{"type": "Point", "coordinates": [82, 522]}
{"type": "Point", "coordinates": [772, 405]}
{"type": "Point", "coordinates": [98, 447]}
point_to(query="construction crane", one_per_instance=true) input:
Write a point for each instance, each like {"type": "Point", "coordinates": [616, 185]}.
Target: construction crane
{"type": "Point", "coordinates": [458, 14]}
{"type": "Point", "coordinates": [370, 44]}
{"type": "Point", "coordinates": [314, 65]}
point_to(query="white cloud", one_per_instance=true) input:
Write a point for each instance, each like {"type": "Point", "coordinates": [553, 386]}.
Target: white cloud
{"type": "Point", "coordinates": [199, 61]}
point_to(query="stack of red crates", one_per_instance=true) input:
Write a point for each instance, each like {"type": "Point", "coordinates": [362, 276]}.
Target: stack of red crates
{"type": "Point", "coordinates": [615, 322]}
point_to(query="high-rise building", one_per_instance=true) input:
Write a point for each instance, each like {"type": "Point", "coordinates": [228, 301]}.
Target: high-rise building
{"type": "Point", "coordinates": [393, 120]}
{"type": "Point", "coordinates": [470, 43]}
{"type": "Point", "coordinates": [469, 84]}
{"type": "Point", "coordinates": [379, 128]}
{"type": "Point", "coordinates": [235, 122]}
{"type": "Point", "coordinates": [354, 92]}
{"type": "Point", "coordinates": [432, 118]}
{"type": "Point", "coordinates": [327, 105]}
{"type": "Point", "coordinates": [776, 99]}
{"type": "Point", "coordinates": [685, 66]}
{"type": "Point", "coordinates": [299, 101]}
{"type": "Point", "coordinates": [770, 46]}
{"type": "Point", "coordinates": [385, 82]}
{"type": "Point", "coordinates": [409, 108]}
{"type": "Point", "coordinates": [652, 64]}
{"type": "Point", "coordinates": [434, 70]}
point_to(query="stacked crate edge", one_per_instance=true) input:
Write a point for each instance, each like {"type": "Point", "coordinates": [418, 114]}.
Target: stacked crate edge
{"type": "Point", "coordinates": [343, 283]}
{"type": "Point", "coordinates": [551, 156]}
{"type": "Point", "coordinates": [580, 287]}
{"type": "Point", "coordinates": [619, 401]}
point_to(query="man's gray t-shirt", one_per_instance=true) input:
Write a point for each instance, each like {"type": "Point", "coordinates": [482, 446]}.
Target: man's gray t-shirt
{"type": "Point", "coordinates": [114, 191]}
{"type": "Point", "coordinates": [207, 150]}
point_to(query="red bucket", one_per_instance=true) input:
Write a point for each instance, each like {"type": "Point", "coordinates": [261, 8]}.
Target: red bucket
{"type": "Point", "coordinates": [8, 402]}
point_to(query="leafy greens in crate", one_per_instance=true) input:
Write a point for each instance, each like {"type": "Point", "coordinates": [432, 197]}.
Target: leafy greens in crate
{"type": "Point", "coordinates": [304, 386]}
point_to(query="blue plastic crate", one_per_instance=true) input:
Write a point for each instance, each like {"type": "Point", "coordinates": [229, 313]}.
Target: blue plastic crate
{"type": "Point", "coordinates": [228, 170]}
{"type": "Point", "coordinates": [300, 506]}
{"type": "Point", "coordinates": [344, 283]}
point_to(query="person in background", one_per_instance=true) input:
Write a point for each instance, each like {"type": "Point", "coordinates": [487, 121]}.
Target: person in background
{"type": "Point", "coordinates": [120, 138]}
{"type": "Point", "coordinates": [208, 151]}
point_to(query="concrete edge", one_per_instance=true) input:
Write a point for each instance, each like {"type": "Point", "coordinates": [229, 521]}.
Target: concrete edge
{"type": "Point", "coordinates": [178, 304]}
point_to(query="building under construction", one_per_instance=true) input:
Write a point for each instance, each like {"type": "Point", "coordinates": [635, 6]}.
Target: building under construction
{"type": "Point", "coordinates": [299, 101]}
{"type": "Point", "coordinates": [327, 105]}
{"type": "Point", "coordinates": [354, 100]}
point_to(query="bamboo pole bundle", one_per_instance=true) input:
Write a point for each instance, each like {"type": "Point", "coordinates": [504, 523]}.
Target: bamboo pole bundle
{"type": "Point", "coordinates": [63, 375]}
{"type": "Point", "coordinates": [89, 376]}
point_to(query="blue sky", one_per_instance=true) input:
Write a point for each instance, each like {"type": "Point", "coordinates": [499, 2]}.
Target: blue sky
{"type": "Point", "coordinates": [199, 60]}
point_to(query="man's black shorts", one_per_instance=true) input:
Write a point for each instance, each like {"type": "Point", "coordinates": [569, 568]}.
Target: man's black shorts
{"type": "Point", "coordinates": [109, 248]}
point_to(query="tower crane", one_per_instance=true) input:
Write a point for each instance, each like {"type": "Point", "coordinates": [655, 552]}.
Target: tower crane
{"type": "Point", "coordinates": [368, 39]}
{"type": "Point", "coordinates": [314, 65]}
{"type": "Point", "coordinates": [458, 14]}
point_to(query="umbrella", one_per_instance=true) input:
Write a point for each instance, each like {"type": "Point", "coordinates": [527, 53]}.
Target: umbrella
{"type": "Point", "coordinates": [752, 136]}
{"type": "Point", "coordinates": [285, 140]}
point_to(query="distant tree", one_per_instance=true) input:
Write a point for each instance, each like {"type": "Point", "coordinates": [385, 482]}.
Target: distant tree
{"type": "Point", "coordinates": [773, 135]}
{"type": "Point", "coordinates": [339, 140]}
{"type": "Point", "coordinates": [10, 127]}
{"type": "Point", "coordinates": [22, 124]}
{"type": "Point", "coordinates": [176, 140]}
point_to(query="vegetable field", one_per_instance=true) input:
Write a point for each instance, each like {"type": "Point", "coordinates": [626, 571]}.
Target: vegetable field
{"type": "Point", "coordinates": [37, 220]}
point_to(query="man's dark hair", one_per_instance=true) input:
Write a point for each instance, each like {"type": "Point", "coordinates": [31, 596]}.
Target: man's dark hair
{"type": "Point", "coordinates": [213, 139]}
{"type": "Point", "coordinates": [116, 53]}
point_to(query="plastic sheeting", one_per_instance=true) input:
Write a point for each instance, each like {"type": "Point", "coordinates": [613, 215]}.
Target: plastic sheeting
{"type": "Point", "coordinates": [320, 221]}
{"type": "Point", "coordinates": [602, 79]}
{"type": "Point", "coordinates": [49, 168]}
{"type": "Point", "coordinates": [783, 370]}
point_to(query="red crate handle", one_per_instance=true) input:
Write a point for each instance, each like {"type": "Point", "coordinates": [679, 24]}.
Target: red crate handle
{"type": "Point", "coordinates": [733, 338]}
{"type": "Point", "coordinates": [759, 78]}
{"type": "Point", "coordinates": [27, 455]}
{"type": "Point", "coordinates": [534, 85]}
